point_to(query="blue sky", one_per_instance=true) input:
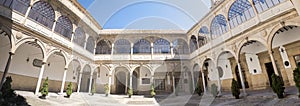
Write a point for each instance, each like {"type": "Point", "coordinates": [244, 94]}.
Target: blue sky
{"type": "Point", "coordinates": [147, 14]}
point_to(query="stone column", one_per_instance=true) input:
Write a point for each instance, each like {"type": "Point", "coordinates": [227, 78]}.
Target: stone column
{"type": "Point", "coordinates": [6, 69]}
{"type": "Point", "coordinates": [173, 82]}
{"type": "Point", "coordinates": [27, 12]}
{"type": "Point", "coordinates": [219, 82]}
{"type": "Point", "coordinates": [131, 50]}
{"type": "Point", "coordinates": [112, 49]}
{"type": "Point", "coordinates": [90, 83]}
{"type": "Point", "coordinates": [152, 50]}
{"type": "Point", "coordinates": [79, 81]}
{"type": "Point", "coordinates": [38, 85]}
{"type": "Point", "coordinates": [273, 62]}
{"type": "Point", "coordinates": [296, 5]}
{"type": "Point", "coordinates": [109, 83]}
{"type": "Point", "coordinates": [130, 81]}
{"type": "Point", "coordinates": [203, 82]}
{"type": "Point", "coordinates": [171, 49]}
{"type": "Point", "coordinates": [192, 74]}
{"type": "Point", "coordinates": [242, 79]}
{"type": "Point", "coordinates": [63, 81]}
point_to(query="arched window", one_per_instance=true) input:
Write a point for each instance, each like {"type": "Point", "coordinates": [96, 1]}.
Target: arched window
{"type": "Point", "coordinates": [218, 26]}
{"type": "Point", "coordinates": [180, 47]}
{"type": "Point", "coordinates": [18, 5]}
{"type": "Point", "coordinates": [142, 46]}
{"type": "Point", "coordinates": [193, 44]}
{"type": "Point", "coordinates": [90, 44]}
{"type": "Point", "coordinates": [204, 30]}
{"type": "Point", "coordinates": [239, 12]}
{"type": "Point", "coordinates": [202, 40]}
{"type": "Point", "coordinates": [43, 13]}
{"type": "Point", "coordinates": [79, 37]}
{"type": "Point", "coordinates": [64, 27]}
{"type": "Point", "coordinates": [263, 5]}
{"type": "Point", "coordinates": [161, 46]}
{"type": "Point", "coordinates": [103, 47]}
{"type": "Point", "coordinates": [122, 46]}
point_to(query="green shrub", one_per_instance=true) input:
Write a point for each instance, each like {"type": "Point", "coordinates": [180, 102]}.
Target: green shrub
{"type": "Point", "coordinates": [130, 92]}
{"type": "Point", "coordinates": [44, 90]}
{"type": "Point", "coordinates": [198, 90]}
{"type": "Point", "coordinates": [152, 91]}
{"type": "Point", "coordinates": [214, 90]}
{"type": "Point", "coordinates": [69, 89]}
{"type": "Point", "coordinates": [8, 97]}
{"type": "Point", "coordinates": [106, 88]}
{"type": "Point", "coordinates": [94, 89]}
{"type": "Point", "coordinates": [235, 89]}
{"type": "Point", "coordinates": [277, 85]}
{"type": "Point", "coordinates": [296, 74]}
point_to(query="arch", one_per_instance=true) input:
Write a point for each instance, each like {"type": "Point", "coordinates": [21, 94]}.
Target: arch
{"type": "Point", "coordinates": [90, 44]}
{"type": "Point", "coordinates": [274, 30]}
{"type": "Point", "coordinates": [43, 13]}
{"type": "Point", "coordinates": [142, 46]}
{"type": "Point", "coordinates": [193, 44]}
{"type": "Point", "coordinates": [122, 46]}
{"type": "Point", "coordinates": [240, 11]}
{"type": "Point", "coordinates": [59, 52]}
{"type": "Point", "coordinates": [6, 31]}
{"type": "Point", "coordinates": [242, 44]}
{"type": "Point", "coordinates": [218, 26]}
{"type": "Point", "coordinates": [226, 51]}
{"type": "Point", "coordinates": [79, 37]}
{"type": "Point", "coordinates": [103, 47]}
{"type": "Point", "coordinates": [64, 27]}
{"type": "Point", "coordinates": [18, 5]}
{"type": "Point", "coordinates": [31, 39]}
{"type": "Point", "coordinates": [263, 5]}
{"type": "Point", "coordinates": [180, 46]}
{"type": "Point", "coordinates": [161, 46]}
{"type": "Point", "coordinates": [87, 69]}
{"type": "Point", "coordinates": [204, 30]}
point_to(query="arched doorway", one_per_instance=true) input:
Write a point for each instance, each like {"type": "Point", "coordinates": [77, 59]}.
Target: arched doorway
{"type": "Point", "coordinates": [135, 76]}
{"type": "Point", "coordinates": [198, 80]}
{"type": "Point", "coordinates": [85, 79]}
{"type": "Point", "coordinates": [121, 80]}
{"type": "Point", "coordinates": [73, 74]}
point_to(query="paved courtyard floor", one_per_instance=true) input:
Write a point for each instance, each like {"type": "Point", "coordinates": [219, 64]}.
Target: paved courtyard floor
{"type": "Point", "coordinates": [254, 98]}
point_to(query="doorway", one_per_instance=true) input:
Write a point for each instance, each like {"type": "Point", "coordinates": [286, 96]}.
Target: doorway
{"type": "Point", "coordinates": [135, 82]}
{"type": "Point", "coordinates": [270, 71]}
{"type": "Point", "coordinates": [120, 82]}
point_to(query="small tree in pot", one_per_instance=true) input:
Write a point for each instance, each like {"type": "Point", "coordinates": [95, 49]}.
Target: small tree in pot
{"type": "Point", "coordinates": [277, 85]}
{"type": "Point", "coordinates": [152, 91]}
{"type": "Point", "coordinates": [106, 88]}
{"type": "Point", "coordinates": [235, 89]}
{"type": "Point", "coordinates": [130, 93]}
{"type": "Point", "coordinates": [296, 74]}
{"type": "Point", "coordinates": [69, 90]}
{"type": "Point", "coordinates": [44, 90]}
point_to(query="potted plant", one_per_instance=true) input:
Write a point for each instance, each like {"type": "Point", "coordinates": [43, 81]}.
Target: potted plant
{"type": "Point", "coordinates": [69, 90]}
{"type": "Point", "coordinates": [94, 89]}
{"type": "Point", "coordinates": [130, 92]}
{"type": "Point", "coordinates": [235, 89]}
{"type": "Point", "coordinates": [44, 90]}
{"type": "Point", "coordinates": [296, 74]}
{"type": "Point", "coordinates": [198, 90]}
{"type": "Point", "coordinates": [277, 86]}
{"type": "Point", "coordinates": [152, 91]}
{"type": "Point", "coordinates": [214, 90]}
{"type": "Point", "coordinates": [106, 88]}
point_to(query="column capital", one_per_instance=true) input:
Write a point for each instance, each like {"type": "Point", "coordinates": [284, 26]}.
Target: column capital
{"type": "Point", "coordinates": [66, 68]}
{"type": "Point", "coordinates": [11, 53]}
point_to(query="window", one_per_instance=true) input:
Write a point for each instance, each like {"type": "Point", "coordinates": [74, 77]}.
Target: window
{"type": "Point", "coordinates": [180, 47]}
{"type": "Point", "coordinates": [159, 84]}
{"type": "Point", "coordinates": [79, 37]}
{"type": "Point", "coordinates": [90, 44]}
{"type": "Point", "coordinates": [297, 60]}
{"type": "Point", "coordinates": [263, 5]}
{"type": "Point", "coordinates": [145, 80]}
{"type": "Point", "coordinates": [64, 27]}
{"type": "Point", "coordinates": [240, 11]}
{"type": "Point", "coordinates": [218, 26]}
{"type": "Point", "coordinates": [193, 44]}
{"type": "Point", "coordinates": [202, 40]}
{"type": "Point", "coordinates": [18, 5]}
{"type": "Point", "coordinates": [203, 30]}
{"type": "Point", "coordinates": [103, 47]}
{"type": "Point", "coordinates": [161, 46]}
{"type": "Point", "coordinates": [142, 46]}
{"type": "Point", "coordinates": [122, 46]}
{"type": "Point", "coordinates": [43, 13]}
